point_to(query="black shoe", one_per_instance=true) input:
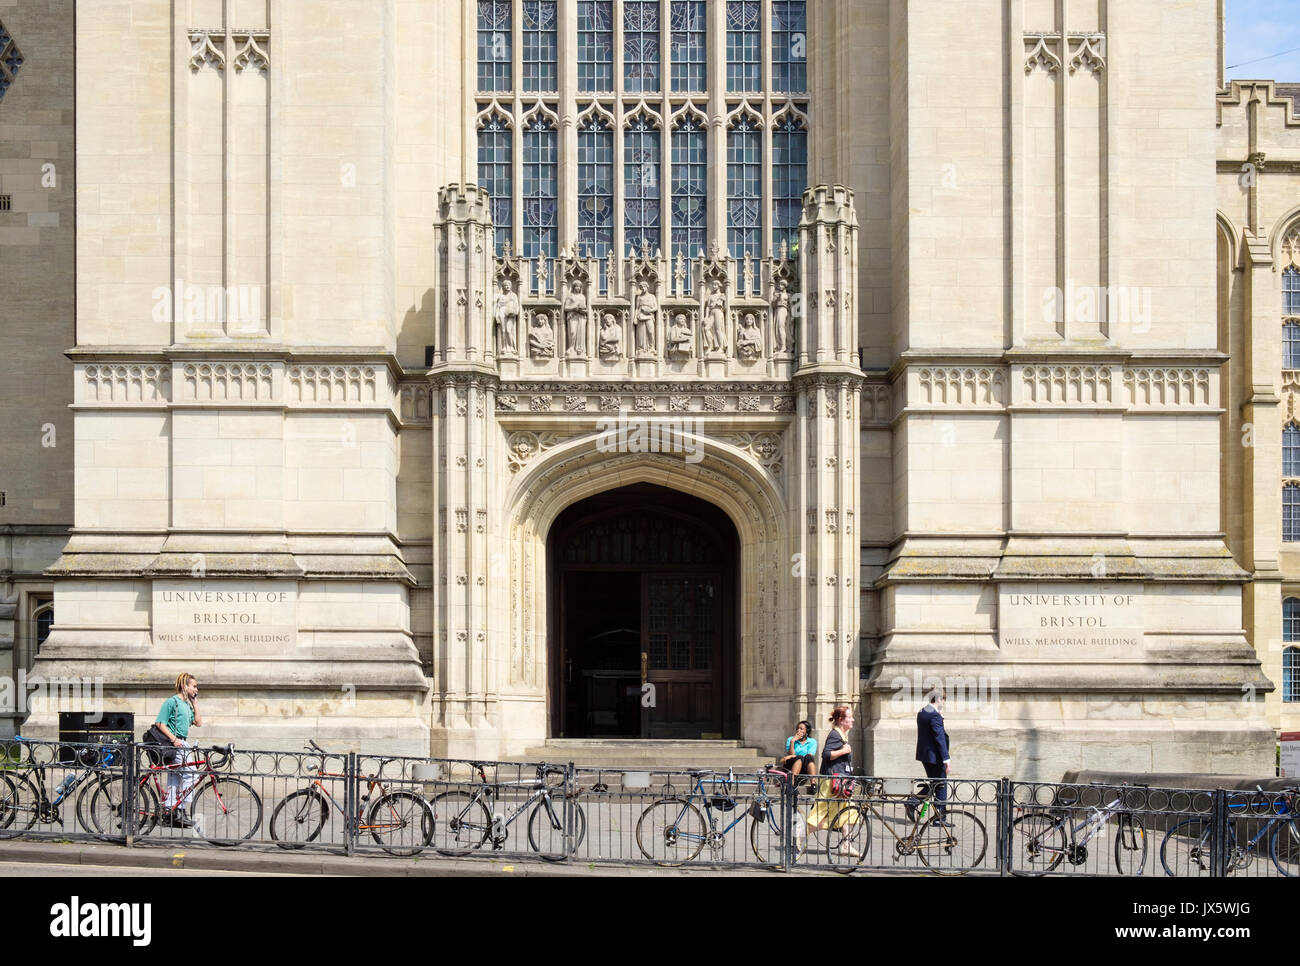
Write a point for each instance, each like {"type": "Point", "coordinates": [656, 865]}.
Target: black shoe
{"type": "Point", "coordinates": [942, 822]}
{"type": "Point", "coordinates": [180, 820]}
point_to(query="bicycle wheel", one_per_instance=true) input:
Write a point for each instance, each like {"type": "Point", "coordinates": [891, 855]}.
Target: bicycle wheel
{"type": "Point", "coordinates": [461, 823]}
{"type": "Point", "coordinates": [1130, 845]}
{"type": "Point", "coordinates": [955, 848]}
{"type": "Point", "coordinates": [1284, 846]}
{"type": "Point", "coordinates": [848, 839]}
{"type": "Point", "coordinates": [767, 838]}
{"type": "Point", "coordinates": [21, 805]}
{"type": "Point", "coordinates": [1188, 848]}
{"type": "Point", "coordinates": [226, 811]}
{"type": "Point", "coordinates": [401, 823]}
{"type": "Point", "coordinates": [106, 813]}
{"type": "Point", "coordinates": [1037, 844]}
{"type": "Point", "coordinates": [670, 831]}
{"type": "Point", "coordinates": [546, 830]}
{"type": "Point", "coordinates": [298, 818]}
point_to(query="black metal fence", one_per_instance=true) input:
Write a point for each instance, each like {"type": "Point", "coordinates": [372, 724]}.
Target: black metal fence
{"type": "Point", "coordinates": [356, 803]}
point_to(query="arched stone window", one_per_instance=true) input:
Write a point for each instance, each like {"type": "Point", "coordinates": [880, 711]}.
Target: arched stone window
{"type": "Point", "coordinates": [1291, 450]}
{"type": "Point", "coordinates": [1290, 512]}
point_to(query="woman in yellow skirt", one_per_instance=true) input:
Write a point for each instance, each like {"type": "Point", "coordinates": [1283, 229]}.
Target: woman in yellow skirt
{"type": "Point", "coordinates": [837, 760]}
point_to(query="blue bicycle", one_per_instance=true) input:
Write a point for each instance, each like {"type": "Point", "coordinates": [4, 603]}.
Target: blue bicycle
{"type": "Point", "coordinates": [673, 831]}
{"type": "Point", "coordinates": [1188, 847]}
{"type": "Point", "coordinates": [25, 798]}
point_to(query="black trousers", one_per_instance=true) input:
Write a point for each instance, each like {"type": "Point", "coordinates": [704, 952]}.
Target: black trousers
{"type": "Point", "coordinates": [933, 770]}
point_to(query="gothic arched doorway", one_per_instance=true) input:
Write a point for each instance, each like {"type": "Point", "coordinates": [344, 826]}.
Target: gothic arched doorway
{"type": "Point", "coordinates": [643, 617]}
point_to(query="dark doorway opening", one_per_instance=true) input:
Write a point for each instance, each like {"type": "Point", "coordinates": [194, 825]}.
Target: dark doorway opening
{"type": "Point", "coordinates": [643, 617]}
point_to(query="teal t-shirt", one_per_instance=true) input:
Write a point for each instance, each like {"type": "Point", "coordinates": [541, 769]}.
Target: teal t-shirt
{"type": "Point", "coordinates": [177, 715]}
{"type": "Point", "coordinates": [806, 747]}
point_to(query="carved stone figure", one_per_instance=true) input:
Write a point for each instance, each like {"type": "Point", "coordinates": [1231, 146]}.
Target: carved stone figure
{"type": "Point", "coordinates": [647, 311]}
{"type": "Point", "coordinates": [541, 338]}
{"type": "Point", "coordinates": [679, 337]}
{"type": "Point", "coordinates": [749, 338]}
{"type": "Point", "coordinates": [574, 311]}
{"type": "Point", "coordinates": [611, 337]}
{"type": "Point", "coordinates": [715, 314]}
{"type": "Point", "coordinates": [781, 317]}
{"type": "Point", "coordinates": [506, 315]}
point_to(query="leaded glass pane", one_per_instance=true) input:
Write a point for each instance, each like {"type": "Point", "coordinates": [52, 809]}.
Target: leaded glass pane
{"type": "Point", "coordinates": [641, 45]}
{"type": "Point", "coordinates": [744, 189]}
{"type": "Point", "coordinates": [1291, 291]}
{"type": "Point", "coordinates": [641, 184]}
{"type": "Point", "coordinates": [789, 178]}
{"type": "Point", "coordinates": [595, 45]}
{"type": "Point", "coordinates": [495, 174]}
{"type": "Point", "coordinates": [1291, 513]}
{"type": "Point", "coordinates": [494, 45]}
{"type": "Point", "coordinates": [743, 41]}
{"type": "Point", "coordinates": [539, 45]}
{"type": "Point", "coordinates": [1291, 346]}
{"type": "Point", "coordinates": [1291, 450]}
{"type": "Point", "coordinates": [689, 45]}
{"type": "Point", "coordinates": [690, 148]}
{"type": "Point", "coordinates": [1291, 674]}
{"type": "Point", "coordinates": [1291, 619]}
{"type": "Point", "coordinates": [540, 189]}
{"type": "Point", "coordinates": [595, 188]}
{"type": "Point", "coordinates": [789, 46]}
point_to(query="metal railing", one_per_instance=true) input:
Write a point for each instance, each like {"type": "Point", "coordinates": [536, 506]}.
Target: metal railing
{"type": "Point", "coordinates": [351, 803]}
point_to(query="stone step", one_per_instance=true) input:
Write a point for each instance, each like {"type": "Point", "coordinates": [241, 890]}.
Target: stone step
{"type": "Point", "coordinates": [647, 754]}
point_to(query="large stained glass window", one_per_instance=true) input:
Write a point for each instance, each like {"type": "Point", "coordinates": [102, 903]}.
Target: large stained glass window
{"type": "Point", "coordinates": [494, 46]}
{"type": "Point", "coordinates": [789, 46]}
{"type": "Point", "coordinates": [540, 195]}
{"type": "Point", "coordinates": [789, 178]}
{"type": "Point", "coordinates": [595, 45]}
{"type": "Point", "coordinates": [744, 67]}
{"type": "Point", "coordinates": [595, 188]}
{"type": "Point", "coordinates": [539, 45]}
{"type": "Point", "coordinates": [744, 188]}
{"type": "Point", "coordinates": [641, 45]}
{"type": "Point", "coordinates": [690, 147]}
{"type": "Point", "coordinates": [689, 45]}
{"type": "Point", "coordinates": [641, 184]}
{"type": "Point", "coordinates": [495, 173]}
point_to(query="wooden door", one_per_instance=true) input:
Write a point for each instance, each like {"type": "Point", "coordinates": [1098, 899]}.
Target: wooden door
{"type": "Point", "coordinates": [681, 655]}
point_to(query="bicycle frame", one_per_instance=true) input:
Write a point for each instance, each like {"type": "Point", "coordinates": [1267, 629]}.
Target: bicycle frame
{"type": "Point", "coordinates": [699, 796]}
{"type": "Point", "coordinates": [46, 806]}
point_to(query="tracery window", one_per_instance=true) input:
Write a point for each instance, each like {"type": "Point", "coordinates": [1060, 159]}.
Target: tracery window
{"type": "Point", "coordinates": [641, 45]}
{"type": "Point", "coordinates": [595, 187]}
{"type": "Point", "coordinates": [641, 183]}
{"type": "Point", "coordinates": [1290, 512]}
{"type": "Point", "coordinates": [1291, 450]}
{"type": "Point", "coordinates": [1291, 655]}
{"type": "Point", "coordinates": [1291, 345]}
{"type": "Point", "coordinates": [690, 201]}
{"type": "Point", "coordinates": [496, 174]}
{"type": "Point", "coordinates": [744, 187]}
{"type": "Point", "coordinates": [1291, 291]}
{"type": "Point", "coordinates": [789, 176]}
{"type": "Point", "coordinates": [689, 45]}
{"type": "Point", "coordinates": [789, 46]}
{"type": "Point", "coordinates": [494, 45]}
{"type": "Point", "coordinates": [595, 45]}
{"type": "Point", "coordinates": [744, 66]}
{"type": "Point", "coordinates": [539, 45]}
{"type": "Point", "coordinates": [541, 227]}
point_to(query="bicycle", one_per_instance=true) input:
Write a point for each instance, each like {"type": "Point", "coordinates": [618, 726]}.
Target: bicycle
{"type": "Point", "coordinates": [1199, 832]}
{"type": "Point", "coordinates": [463, 820]}
{"type": "Point", "coordinates": [1040, 837]}
{"type": "Point", "coordinates": [947, 841]}
{"type": "Point", "coordinates": [672, 831]}
{"type": "Point", "coordinates": [226, 810]}
{"type": "Point", "coordinates": [24, 802]}
{"type": "Point", "coordinates": [299, 818]}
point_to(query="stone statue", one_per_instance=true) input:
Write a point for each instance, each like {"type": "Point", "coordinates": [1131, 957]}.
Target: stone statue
{"type": "Point", "coordinates": [611, 337]}
{"type": "Point", "coordinates": [541, 338]}
{"type": "Point", "coordinates": [679, 337]}
{"type": "Point", "coordinates": [506, 314]}
{"type": "Point", "coordinates": [647, 311]}
{"type": "Point", "coordinates": [749, 338]}
{"type": "Point", "coordinates": [715, 313]}
{"type": "Point", "coordinates": [781, 317]}
{"type": "Point", "coordinates": [574, 310]}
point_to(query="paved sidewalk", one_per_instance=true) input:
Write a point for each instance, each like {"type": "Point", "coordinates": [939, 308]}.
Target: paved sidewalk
{"type": "Point", "coordinates": [251, 859]}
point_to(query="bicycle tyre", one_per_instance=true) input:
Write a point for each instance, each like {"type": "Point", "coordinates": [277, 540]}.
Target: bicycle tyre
{"type": "Point", "coordinates": [1130, 845]}
{"type": "Point", "coordinates": [461, 823]}
{"type": "Point", "coordinates": [675, 833]}
{"type": "Point", "coordinates": [965, 844]}
{"type": "Point", "coordinates": [226, 811]}
{"type": "Point", "coordinates": [542, 834]}
{"type": "Point", "coordinates": [1286, 835]}
{"type": "Point", "coordinates": [298, 818]}
{"type": "Point", "coordinates": [1037, 837]}
{"type": "Point", "coordinates": [764, 844]}
{"type": "Point", "coordinates": [21, 806]}
{"type": "Point", "coordinates": [105, 808]}
{"type": "Point", "coordinates": [848, 839]}
{"type": "Point", "coordinates": [1200, 834]}
{"type": "Point", "coordinates": [390, 818]}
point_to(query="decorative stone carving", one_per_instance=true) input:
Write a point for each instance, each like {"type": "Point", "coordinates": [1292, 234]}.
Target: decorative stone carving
{"type": "Point", "coordinates": [1167, 387]}
{"type": "Point", "coordinates": [680, 337]}
{"type": "Point", "coordinates": [575, 404]}
{"type": "Point", "coordinates": [610, 345]}
{"type": "Point", "coordinates": [715, 318]}
{"type": "Point", "coordinates": [128, 383]}
{"type": "Point", "coordinates": [574, 311]}
{"type": "Point", "coordinates": [333, 384]}
{"type": "Point", "coordinates": [414, 403]}
{"type": "Point", "coordinates": [1089, 52]}
{"type": "Point", "coordinates": [521, 448]}
{"type": "Point", "coordinates": [1039, 53]}
{"type": "Point", "coordinates": [679, 404]}
{"type": "Point", "coordinates": [643, 404]}
{"type": "Point", "coordinates": [541, 337]}
{"type": "Point", "coordinates": [505, 315]}
{"type": "Point", "coordinates": [539, 404]}
{"type": "Point", "coordinates": [252, 47]}
{"type": "Point", "coordinates": [781, 314]}
{"type": "Point", "coordinates": [203, 52]}
{"type": "Point", "coordinates": [647, 315]}
{"type": "Point", "coordinates": [749, 338]}
{"type": "Point", "coordinates": [507, 403]}
{"type": "Point", "coordinates": [1068, 384]}
{"type": "Point", "coordinates": [609, 404]}
{"type": "Point", "coordinates": [747, 404]}
{"type": "Point", "coordinates": [249, 382]}
{"type": "Point", "coordinates": [961, 386]}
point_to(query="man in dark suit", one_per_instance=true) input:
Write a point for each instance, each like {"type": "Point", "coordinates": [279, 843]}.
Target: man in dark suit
{"type": "Point", "coordinates": [932, 748]}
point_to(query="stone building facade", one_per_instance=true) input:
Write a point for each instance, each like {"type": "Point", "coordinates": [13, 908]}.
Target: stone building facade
{"type": "Point", "coordinates": [454, 376]}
